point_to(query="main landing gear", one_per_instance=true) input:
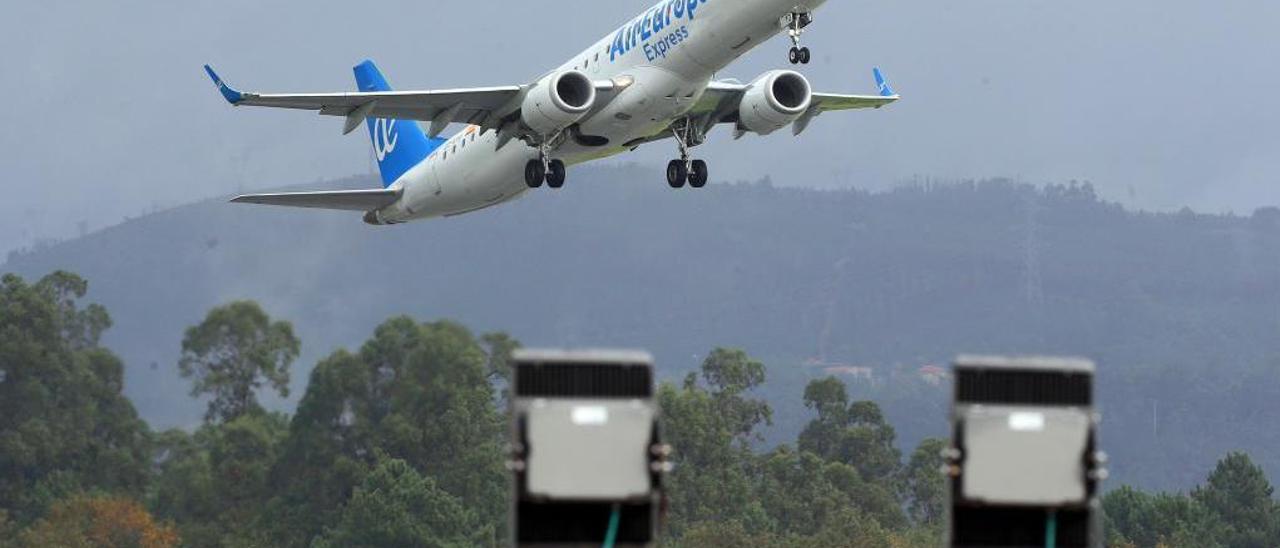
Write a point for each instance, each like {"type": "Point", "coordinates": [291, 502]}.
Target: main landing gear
{"type": "Point", "coordinates": [683, 169]}
{"type": "Point", "coordinates": [794, 23]}
{"type": "Point", "coordinates": [542, 169]}
{"type": "Point", "coordinates": [551, 172]}
{"type": "Point", "coordinates": [693, 171]}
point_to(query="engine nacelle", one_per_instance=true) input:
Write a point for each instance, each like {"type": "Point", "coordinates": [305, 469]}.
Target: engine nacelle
{"type": "Point", "coordinates": [557, 101]}
{"type": "Point", "coordinates": [774, 100]}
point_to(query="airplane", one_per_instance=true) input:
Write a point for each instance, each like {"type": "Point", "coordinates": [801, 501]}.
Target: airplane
{"type": "Point", "coordinates": [651, 80]}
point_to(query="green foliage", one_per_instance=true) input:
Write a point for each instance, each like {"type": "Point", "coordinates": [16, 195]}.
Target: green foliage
{"type": "Point", "coordinates": [849, 529]}
{"type": "Point", "coordinates": [65, 426]}
{"type": "Point", "coordinates": [711, 427]}
{"type": "Point", "coordinates": [183, 486]}
{"type": "Point", "coordinates": [924, 483]}
{"type": "Point", "coordinates": [499, 347]}
{"type": "Point", "coordinates": [730, 374]}
{"type": "Point", "coordinates": [723, 534]}
{"type": "Point", "coordinates": [1143, 519]}
{"type": "Point", "coordinates": [232, 354]}
{"type": "Point", "coordinates": [213, 482]}
{"type": "Point", "coordinates": [397, 506]}
{"type": "Point", "coordinates": [1233, 509]}
{"type": "Point", "coordinates": [856, 434]}
{"type": "Point", "coordinates": [722, 492]}
{"type": "Point", "coordinates": [415, 392]}
{"type": "Point", "coordinates": [80, 329]}
{"type": "Point", "coordinates": [802, 493]}
{"type": "Point", "coordinates": [1240, 495]}
{"type": "Point", "coordinates": [400, 444]}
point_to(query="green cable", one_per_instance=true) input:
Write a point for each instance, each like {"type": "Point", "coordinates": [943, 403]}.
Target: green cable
{"type": "Point", "coordinates": [1051, 530]}
{"type": "Point", "coordinates": [612, 536]}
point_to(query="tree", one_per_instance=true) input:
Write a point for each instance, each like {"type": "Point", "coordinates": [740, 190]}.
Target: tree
{"type": "Point", "coordinates": [397, 506]}
{"type": "Point", "coordinates": [1238, 492]}
{"type": "Point", "coordinates": [233, 353]}
{"type": "Point", "coordinates": [856, 434]}
{"type": "Point", "coordinates": [926, 486]}
{"type": "Point", "coordinates": [499, 347]}
{"type": "Point", "coordinates": [1172, 520]}
{"type": "Point", "coordinates": [803, 493]}
{"type": "Point", "coordinates": [851, 529]}
{"type": "Point", "coordinates": [80, 329]}
{"type": "Point", "coordinates": [730, 374]}
{"type": "Point", "coordinates": [65, 425]}
{"type": "Point", "coordinates": [215, 484]}
{"type": "Point", "coordinates": [711, 428]}
{"type": "Point", "coordinates": [416, 392]}
{"type": "Point", "coordinates": [183, 487]}
{"type": "Point", "coordinates": [241, 456]}
{"type": "Point", "coordinates": [105, 522]}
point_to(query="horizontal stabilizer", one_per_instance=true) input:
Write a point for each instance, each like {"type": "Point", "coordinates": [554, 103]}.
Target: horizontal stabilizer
{"type": "Point", "coordinates": [347, 200]}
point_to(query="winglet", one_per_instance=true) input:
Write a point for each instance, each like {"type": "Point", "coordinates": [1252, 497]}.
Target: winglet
{"type": "Point", "coordinates": [228, 92]}
{"type": "Point", "coordinates": [885, 90]}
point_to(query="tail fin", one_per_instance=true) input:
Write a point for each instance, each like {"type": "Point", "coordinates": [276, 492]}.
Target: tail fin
{"type": "Point", "coordinates": [398, 144]}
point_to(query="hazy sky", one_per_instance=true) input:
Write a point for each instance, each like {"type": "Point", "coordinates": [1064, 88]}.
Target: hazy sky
{"type": "Point", "coordinates": [1159, 103]}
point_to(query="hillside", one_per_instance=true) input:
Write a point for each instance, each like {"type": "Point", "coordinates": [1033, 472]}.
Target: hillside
{"type": "Point", "coordinates": [1181, 311]}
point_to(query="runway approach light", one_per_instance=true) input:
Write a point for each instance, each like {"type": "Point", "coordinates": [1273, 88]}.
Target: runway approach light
{"type": "Point", "coordinates": [1023, 465]}
{"type": "Point", "coordinates": [586, 456]}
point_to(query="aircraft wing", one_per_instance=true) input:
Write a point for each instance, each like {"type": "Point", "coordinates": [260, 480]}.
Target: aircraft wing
{"type": "Point", "coordinates": [346, 200]}
{"type": "Point", "coordinates": [487, 107]}
{"type": "Point", "coordinates": [720, 104]}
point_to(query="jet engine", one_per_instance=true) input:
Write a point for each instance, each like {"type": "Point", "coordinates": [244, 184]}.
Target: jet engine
{"type": "Point", "coordinates": [774, 100]}
{"type": "Point", "coordinates": [557, 101]}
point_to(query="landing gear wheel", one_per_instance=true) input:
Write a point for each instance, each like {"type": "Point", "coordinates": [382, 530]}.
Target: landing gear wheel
{"type": "Point", "coordinates": [804, 56]}
{"type": "Point", "coordinates": [534, 173]}
{"type": "Point", "coordinates": [555, 174]}
{"type": "Point", "coordinates": [698, 174]}
{"type": "Point", "coordinates": [794, 56]}
{"type": "Point", "coordinates": [677, 173]}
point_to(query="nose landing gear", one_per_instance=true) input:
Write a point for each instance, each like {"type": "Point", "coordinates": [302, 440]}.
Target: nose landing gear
{"type": "Point", "coordinates": [799, 56]}
{"type": "Point", "coordinates": [794, 24]}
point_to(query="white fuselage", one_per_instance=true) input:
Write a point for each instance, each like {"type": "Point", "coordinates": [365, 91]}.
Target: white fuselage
{"type": "Point", "coordinates": [667, 70]}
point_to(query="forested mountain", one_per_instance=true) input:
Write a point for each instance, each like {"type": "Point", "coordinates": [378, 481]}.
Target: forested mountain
{"type": "Point", "coordinates": [1182, 311]}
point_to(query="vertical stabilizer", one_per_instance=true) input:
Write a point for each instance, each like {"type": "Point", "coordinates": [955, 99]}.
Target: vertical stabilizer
{"type": "Point", "coordinates": [398, 145]}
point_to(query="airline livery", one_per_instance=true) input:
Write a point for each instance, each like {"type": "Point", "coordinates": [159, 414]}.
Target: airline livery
{"type": "Point", "coordinates": [650, 80]}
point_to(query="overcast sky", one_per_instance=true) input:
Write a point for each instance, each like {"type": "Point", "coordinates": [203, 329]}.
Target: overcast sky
{"type": "Point", "coordinates": [1159, 103]}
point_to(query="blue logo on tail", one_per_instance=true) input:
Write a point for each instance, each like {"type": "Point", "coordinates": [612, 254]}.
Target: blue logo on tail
{"type": "Point", "coordinates": [399, 145]}
{"type": "Point", "coordinates": [384, 137]}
